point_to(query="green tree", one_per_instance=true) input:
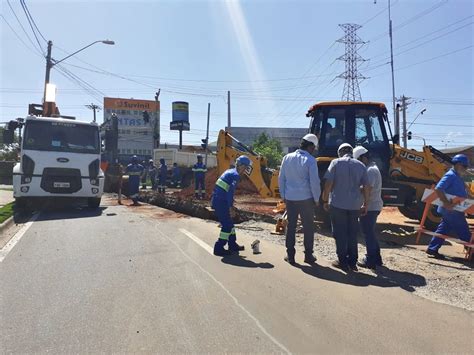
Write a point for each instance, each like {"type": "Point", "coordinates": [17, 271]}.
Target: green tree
{"type": "Point", "coordinates": [8, 152]}
{"type": "Point", "coordinates": [270, 148]}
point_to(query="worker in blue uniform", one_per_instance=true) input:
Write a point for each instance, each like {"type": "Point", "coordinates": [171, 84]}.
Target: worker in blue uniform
{"type": "Point", "coordinates": [199, 170]}
{"type": "Point", "coordinates": [162, 175]}
{"type": "Point", "coordinates": [134, 172]}
{"type": "Point", "coordinates": [222, 200]}
{"type": "Point", "coordinates": [451, 183]}
{"type": "Point", "coordinates": [176, 176]}
{"type": "Point", "coordinates": [144, 175]}
{"type": "Point", "coordinates": [152, 173]}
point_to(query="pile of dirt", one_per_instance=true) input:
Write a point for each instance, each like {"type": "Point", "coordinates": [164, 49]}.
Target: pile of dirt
{"type": "Point", "coordinates": [197, 208]}
{"type": "Point", "coordinates": [244, 187]}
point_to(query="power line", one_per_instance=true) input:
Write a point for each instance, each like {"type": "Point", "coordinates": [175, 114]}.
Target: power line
{"type": "Point", "coordinates": [427, 60]}
{"type": "Point", "coordinates": [40, 50]}
{"type": "Point", "coordinates": [416, 17]}
{"type": "Point", "coordinates": [378, 14]}
{"type": "Point", "coordinates": [440, 124]}
{"type": "Point", "coordinates": [31, 25]}
{"type": "Point", "coordinates": [88, 88]}
{"type": "Point", "coordinates": [21, 39]}
{"type": "Point", "coordinates": [25, 7]}
{"type": "Point", "coordinates": [426, 35]}
{"type": "Point", "coordinates": [426, 42]}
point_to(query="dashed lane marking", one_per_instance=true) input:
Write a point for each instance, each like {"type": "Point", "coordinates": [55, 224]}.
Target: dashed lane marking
{"type": "Point", "coordinates": [198, 241]}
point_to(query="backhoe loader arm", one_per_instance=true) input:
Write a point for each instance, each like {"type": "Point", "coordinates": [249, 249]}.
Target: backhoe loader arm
{"type": "Point", "coordinates": [264, 179]}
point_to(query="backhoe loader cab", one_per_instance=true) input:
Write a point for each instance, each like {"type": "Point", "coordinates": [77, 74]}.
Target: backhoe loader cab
{"type": "Point", "coordinates": [356, 123]}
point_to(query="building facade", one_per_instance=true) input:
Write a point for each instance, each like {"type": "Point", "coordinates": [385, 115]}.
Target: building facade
{"type": "Point", "coordinates": [289, 138]}
{"type": "Point", "coordinates": [136, 137]}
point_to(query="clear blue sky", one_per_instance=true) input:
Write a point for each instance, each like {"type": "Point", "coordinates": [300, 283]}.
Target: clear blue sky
{"type": "Point", "coordinates": [276, 57]}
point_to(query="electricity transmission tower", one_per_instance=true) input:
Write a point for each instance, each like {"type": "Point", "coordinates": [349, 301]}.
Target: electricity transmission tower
{"type": "Point", "coordinates": [351, 75]}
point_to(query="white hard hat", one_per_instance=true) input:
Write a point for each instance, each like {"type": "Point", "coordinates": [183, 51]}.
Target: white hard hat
{"type": "Point", "coordinates": [344, 145]}
{"type": "Point", "coordinates": [311, 138]}
{"type": "Point", "coordinates": [359, 151]}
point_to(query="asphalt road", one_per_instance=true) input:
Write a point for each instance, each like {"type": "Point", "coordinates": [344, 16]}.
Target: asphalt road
{"type": "Point", "coordinates": [142, 279]}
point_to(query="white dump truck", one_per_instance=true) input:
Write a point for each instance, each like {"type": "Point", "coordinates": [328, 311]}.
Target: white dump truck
{"type": "Point", "coordinates": [185, 160]}
{"type": "Point", "coordinates": [60, 158]}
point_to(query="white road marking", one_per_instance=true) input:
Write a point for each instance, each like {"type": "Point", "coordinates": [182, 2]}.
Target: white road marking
{"type": "Point", "coordinates": [236, 301]}
{"type": "Point", "coordinates": [203, 245]}
{"type": "Point", "coordinates": [16, 238]}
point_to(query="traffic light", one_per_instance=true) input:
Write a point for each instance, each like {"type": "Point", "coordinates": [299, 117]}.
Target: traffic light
{"type": "Point", "coordinates": [409, 135]}
{"type": "Point", "coordinates": [146, 116]}
{"type": "Point", "coordinates": [204, 143]}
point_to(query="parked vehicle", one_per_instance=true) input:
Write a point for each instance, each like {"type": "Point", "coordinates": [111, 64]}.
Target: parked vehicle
{"type": "Point", "coordinates": [59, 159]}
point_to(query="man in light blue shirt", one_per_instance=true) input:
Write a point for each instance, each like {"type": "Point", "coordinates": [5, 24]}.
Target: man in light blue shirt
{"type": "Point", "coordinates": [300, 188]}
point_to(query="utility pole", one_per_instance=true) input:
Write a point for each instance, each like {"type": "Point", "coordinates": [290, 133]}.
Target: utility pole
{"type": "Point", "coordinates": [156, 127]}
{"type": "Point", "coordinates": [397, 128]}
{"type": "Point", "coordinates": [229, 123]}
{"type": "Point", "coordinates": [404, 104]}
{"type": "Point", "coordinates": [404, 121]}
{"type": "Point", "coordinates": [207, 130]}
{"type": "Point", "coordinates": [397, 121]}
{"type": "Point", "coordinates": [93, 107]}
{"type": "Point", "coordinates": [49, 65]}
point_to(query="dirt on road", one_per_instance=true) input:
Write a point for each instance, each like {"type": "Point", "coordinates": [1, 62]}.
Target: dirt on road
{"type": "Point", "coordinates": [406, 264]}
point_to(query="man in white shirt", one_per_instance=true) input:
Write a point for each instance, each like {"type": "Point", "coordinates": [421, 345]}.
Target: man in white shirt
{"type": "Point", "coordinates": [374, 206]}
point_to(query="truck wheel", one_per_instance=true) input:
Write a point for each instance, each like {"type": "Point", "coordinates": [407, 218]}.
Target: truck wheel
{"type": "Point", "coordinates": [21, 209]}
{"type": "Point", "coordinates": [93, 202]}
{"type": "Point", "coordinates": [21, 205]}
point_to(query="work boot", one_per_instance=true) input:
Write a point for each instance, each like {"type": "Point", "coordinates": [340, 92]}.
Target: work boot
{"type": "Point", "coordinates": [435, 254]}
{"type": "Point", "coordinates": [219, 249]}
{"type": "Point", "coordinates": [366, 265]}
{"type": "Point", "coordinates": [339, 265]}
{"type": "Point", "coordinates": [233, 246]}
{"type": "Point", "coordinates": [290, 259]}
{"type": "Point", "coordinates": [309, 258]}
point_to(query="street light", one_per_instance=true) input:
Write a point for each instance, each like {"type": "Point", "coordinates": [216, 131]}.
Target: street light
{"type": "Point", "coordinates": [50, 63]}
{"type": "Point", "coordinates": [419, 113]}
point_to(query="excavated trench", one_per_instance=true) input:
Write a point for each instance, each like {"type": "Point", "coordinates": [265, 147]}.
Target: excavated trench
{"type": "Point", "coordinates": [198, 208]}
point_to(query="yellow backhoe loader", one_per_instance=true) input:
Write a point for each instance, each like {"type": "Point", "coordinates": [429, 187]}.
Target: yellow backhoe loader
{"type": "Point", "coordinates": [405, 172]}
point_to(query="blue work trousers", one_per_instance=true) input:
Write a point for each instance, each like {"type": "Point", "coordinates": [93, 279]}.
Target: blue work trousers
{"type": "Point", "coordinates": [367, 225]}
{"type": "Point", "coordinates": [305, 209]}
{"type": "Point", "coordinates": [222, 210]}
{"type": "Point", "coordinates": [451, 221]}
{"type": "Point", "coordinates": [345, 225]}
{"type": "Point", "coordinates": [200, 188]}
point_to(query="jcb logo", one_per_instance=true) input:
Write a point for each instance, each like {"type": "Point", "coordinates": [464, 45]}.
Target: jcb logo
{"type": "Point", "coordinates": [410, 156]}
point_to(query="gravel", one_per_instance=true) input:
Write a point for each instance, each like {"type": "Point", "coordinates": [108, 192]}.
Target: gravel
{"type": "Point", "coordinates": [444, 281]}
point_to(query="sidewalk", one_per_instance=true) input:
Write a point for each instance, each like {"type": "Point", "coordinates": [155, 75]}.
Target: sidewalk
{"type": "Point", "coordinates": [6, 194]}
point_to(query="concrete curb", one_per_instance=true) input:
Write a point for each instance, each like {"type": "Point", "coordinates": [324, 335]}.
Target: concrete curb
{"type": "Point", "coordinates": [6, 224]}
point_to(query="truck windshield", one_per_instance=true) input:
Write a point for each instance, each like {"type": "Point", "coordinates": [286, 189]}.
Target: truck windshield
{"type": "Point", "coordinates": [61, 137]}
